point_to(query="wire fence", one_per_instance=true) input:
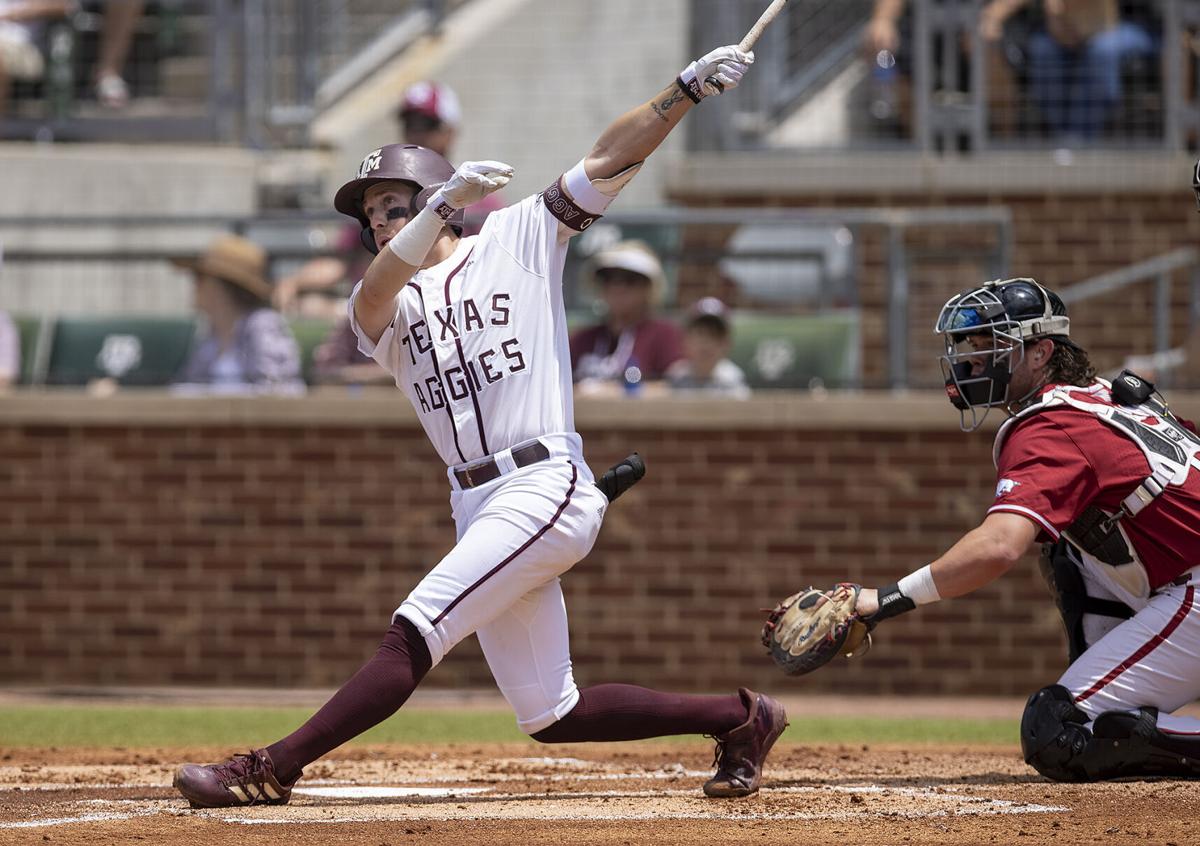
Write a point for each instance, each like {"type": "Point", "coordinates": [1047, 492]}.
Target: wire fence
{"type": "Point", "coordinates": [953, 75]}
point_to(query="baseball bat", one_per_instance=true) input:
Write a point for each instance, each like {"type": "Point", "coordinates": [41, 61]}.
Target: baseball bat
{"type": "Point", "coordinates": [772, 12]}
{"type": "Point", "coordinates": [747, 42]}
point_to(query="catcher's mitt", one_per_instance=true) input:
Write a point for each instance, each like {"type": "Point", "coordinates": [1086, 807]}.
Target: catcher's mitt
{"type": "Point", "coordinates": [807, 629]}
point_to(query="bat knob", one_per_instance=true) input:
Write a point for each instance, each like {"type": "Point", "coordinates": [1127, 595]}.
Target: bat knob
{"type": "Point", "coordinates": [715, 83]}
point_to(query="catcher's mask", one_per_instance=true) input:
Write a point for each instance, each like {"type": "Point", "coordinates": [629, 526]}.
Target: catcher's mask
{"type": "Point", "coordinates": [421, 168]}
{"type": "Point", "coordinates": [985, 330]}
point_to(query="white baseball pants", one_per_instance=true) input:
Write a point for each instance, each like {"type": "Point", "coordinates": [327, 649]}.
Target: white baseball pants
{"type": "Point", "coordinates": [516, 535]}
{"type": "Point", "coordinates": [1151, 659]}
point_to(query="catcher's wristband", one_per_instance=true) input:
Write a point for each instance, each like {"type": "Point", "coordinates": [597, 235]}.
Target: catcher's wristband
{"type": "Point", "coordinates": [892, 603]}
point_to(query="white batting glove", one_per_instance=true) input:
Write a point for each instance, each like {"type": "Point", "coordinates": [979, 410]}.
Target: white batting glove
{"type": "Point", "coordinates": [472, 182]}
{"type": "Point", "coordinates": [715, 72]}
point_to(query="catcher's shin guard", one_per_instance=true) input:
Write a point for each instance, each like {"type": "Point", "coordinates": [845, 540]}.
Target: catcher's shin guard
{"type": "Point", "coordinates": [1120, 744]}
{"type": "Point", "coordinates": [1131, 744]}
{"type": "Point", "coordinates": [1054, 739]}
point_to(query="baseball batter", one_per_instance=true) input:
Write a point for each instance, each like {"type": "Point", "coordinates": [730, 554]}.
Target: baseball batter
{"type": "Point", "coordinates": [474, 332]}
{"type": "Point", "coordinates": [1110, 479]}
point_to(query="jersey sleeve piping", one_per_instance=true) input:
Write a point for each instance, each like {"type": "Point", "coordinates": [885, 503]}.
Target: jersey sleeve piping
{"type": "Point", "coordinates": [1027, 512]}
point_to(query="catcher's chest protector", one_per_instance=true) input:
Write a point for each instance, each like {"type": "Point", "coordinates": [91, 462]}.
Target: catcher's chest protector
{"type": "Point", "coordinates": [1170, 449]}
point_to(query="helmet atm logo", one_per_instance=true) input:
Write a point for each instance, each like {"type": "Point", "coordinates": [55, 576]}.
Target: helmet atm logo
{"type": "Point", "coordinates": [370, 163]}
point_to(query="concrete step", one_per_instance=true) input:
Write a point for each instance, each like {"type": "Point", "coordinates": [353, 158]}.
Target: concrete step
{"type": "Point", "coordinates": [185, 78]}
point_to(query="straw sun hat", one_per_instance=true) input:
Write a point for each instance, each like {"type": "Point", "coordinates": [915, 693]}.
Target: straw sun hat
{"type": "Point", "coordinates": [235, 260]}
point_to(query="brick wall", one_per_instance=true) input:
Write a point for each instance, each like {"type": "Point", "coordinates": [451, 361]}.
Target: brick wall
{"type": "Point", "coordinates": [1058, 238]}
{"type": "Point", "coordinates": [154, 541]}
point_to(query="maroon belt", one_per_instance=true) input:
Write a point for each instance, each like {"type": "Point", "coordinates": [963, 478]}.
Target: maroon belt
{"type": "Point", "coordinates": [482, 472]}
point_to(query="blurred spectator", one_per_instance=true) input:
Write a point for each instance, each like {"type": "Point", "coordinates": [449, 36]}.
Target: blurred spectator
{"type": "Point", "coordinates": [1075, 60]}
{"type": "Point", "coordinates": [120, 21]}
{"type": "Point", "coordinates": [707, 340]}
{"type": "Point", "coordinates": [297, 294]}
{"type": "Point", "coordinates": [247, 346]}
{"type": "Point", "coordinates": [21, 23]}
{"type": "Point", "coordinates": [891, 59]}
{"type": "Point", "coordinates": [10, 352]}
{"type": "Point", "coordinates": [429, 115]}
{"type": "Point", "coordinates": [338, 361]}
{"type": "Point", "coordinates": [631, 346]}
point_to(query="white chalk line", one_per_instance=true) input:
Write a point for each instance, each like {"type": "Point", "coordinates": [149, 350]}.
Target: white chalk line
{"type": "Point", "coordinates": [380, 792]}
{"type": "Point", "coordinates": [655, 775]}
{"type": "Point", "coordinates": [966, 806]}
{"type": "Point", "coordinates": [85, 818]}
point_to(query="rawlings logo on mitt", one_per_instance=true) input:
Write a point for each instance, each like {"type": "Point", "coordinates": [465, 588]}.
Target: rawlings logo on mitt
{"type": "Point", "coordinates": [807, 629]}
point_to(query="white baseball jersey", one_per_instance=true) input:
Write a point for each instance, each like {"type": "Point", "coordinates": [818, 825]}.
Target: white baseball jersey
{"type": "Point", "coordinates": [479, 342]}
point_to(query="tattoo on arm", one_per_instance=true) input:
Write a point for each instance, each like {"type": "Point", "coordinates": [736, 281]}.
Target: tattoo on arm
{"type": "Point", "coordinates": [661, 107]}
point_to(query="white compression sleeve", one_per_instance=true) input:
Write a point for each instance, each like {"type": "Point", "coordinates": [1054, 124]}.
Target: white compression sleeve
{"type": "Point", "coordinates": [919, 587]}
{"type": "Point", "coordinates": [412, 243]}
{"type": "Point", "coordinates": [583, 192]}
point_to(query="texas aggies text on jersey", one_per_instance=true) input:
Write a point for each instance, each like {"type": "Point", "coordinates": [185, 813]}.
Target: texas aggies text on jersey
{"type": "Point", "coordinates": [481, 354]}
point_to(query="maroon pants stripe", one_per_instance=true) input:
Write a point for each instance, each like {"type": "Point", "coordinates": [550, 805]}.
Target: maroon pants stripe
{"type": "Point", "coordinates": [1143, 650]}
{"type": "Point", "coordinates": [562, 507]}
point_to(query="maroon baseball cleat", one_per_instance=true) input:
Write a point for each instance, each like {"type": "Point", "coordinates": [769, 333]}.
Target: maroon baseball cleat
{"type": "Point", "coordinates": [242, 780]}
{"type": "Point", "coordinates": [741, 752]}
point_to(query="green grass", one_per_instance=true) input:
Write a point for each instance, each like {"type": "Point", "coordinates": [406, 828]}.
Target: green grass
{"type": "Point", "coordinates": [134, 727]}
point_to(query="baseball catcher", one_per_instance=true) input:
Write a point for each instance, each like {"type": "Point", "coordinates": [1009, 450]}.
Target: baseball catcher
{"type": "Point", "coordinates": [1109, 479]}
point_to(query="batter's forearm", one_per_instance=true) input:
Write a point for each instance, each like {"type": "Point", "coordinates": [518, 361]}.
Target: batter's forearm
{"type": "Point", "coordinates": [636, 134]}
{"type": "Point", "coordinates": [633, 136]}
{"type": "Point", "coordinates": [375, 305]}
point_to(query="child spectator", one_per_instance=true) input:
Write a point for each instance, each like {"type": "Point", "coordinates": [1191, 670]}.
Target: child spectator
{"type": "Point", "coordinates": [705, 367]}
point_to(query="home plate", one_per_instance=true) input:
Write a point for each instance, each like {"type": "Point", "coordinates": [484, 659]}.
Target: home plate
{"type": "Point", "coordinates": [372, 792]}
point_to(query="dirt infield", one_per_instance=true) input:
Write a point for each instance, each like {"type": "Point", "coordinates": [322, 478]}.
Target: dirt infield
{"type": "Point", "coordinates": [628, 794]}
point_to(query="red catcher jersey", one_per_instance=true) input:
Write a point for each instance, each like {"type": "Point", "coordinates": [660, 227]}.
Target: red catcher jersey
{"type": "Point", "coordinates": [1057, 462]}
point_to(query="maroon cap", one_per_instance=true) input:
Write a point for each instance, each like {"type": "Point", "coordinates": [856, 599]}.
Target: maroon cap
{"type": "Point", "coordinates": [432, 99]}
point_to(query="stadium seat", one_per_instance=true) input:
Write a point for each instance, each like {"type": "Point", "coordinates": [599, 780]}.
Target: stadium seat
{"type": "Point", "coordinates": [137, 351]}
{"type": "Point", "coordinates": [309, 333]}
{"type": "Point", "coordinates": [791, 351]}
{"type": "Point", "coordinates": [30, 330]}
{"type": "Point", "coordinates": [786, 351]}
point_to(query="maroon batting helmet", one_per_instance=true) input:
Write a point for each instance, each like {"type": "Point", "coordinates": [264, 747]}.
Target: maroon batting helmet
{"type": "Point", "coordinates": [418, 166]}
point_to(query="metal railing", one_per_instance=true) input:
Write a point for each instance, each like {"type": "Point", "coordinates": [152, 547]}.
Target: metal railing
{"type": "Point", "coordinates": [947, 88]}
{"type": "Point", "coordinates": [802, 262]}
{"type": "Point", "coordinates": [1159, 270]}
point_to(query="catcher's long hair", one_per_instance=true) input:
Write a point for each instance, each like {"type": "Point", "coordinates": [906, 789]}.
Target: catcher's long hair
{"type": "Point", "coordinates": [1070, 365]}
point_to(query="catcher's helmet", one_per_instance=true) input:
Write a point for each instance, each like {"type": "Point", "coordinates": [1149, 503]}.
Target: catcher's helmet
{"type": "Point", "coordinates": [418, 166]}
{"type": "Point", "coordinates": [1009, 311]}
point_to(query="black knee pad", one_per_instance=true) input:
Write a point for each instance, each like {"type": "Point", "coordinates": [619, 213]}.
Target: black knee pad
{"type": "Point", "coordinates": [1054, 739]}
